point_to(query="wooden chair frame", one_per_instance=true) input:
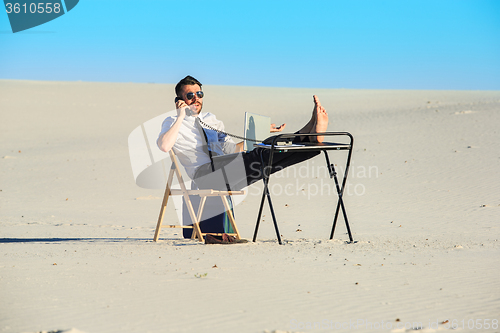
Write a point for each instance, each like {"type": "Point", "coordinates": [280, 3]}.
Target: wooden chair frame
{"type": "Point", "coordinates": [195, 218]}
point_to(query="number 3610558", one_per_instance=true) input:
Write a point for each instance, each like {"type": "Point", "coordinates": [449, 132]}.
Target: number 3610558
{"type": "Point", "coordinates": [33, 8]}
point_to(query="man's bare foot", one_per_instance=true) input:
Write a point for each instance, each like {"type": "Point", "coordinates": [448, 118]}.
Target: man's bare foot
{"type": "Point", "coordinates": [321, 118]}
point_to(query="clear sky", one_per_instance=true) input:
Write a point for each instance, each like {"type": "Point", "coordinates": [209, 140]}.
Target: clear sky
{"type": "Point", "coordinates": [369, 44]}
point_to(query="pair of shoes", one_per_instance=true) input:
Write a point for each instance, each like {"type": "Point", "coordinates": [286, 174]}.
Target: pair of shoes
{"type": "Point", "coordinates": [225, 239]}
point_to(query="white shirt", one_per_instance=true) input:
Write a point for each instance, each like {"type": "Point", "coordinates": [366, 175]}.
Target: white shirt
{"type": "Point", "coordinates": [189, 143]}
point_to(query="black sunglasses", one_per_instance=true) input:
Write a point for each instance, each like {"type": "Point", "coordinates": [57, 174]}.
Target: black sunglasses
{"type": "Point", "coordinates": [190, 95]}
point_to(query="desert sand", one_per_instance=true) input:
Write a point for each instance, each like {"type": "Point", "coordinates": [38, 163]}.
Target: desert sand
{"type": "Point", "coordinates": [422, 200]}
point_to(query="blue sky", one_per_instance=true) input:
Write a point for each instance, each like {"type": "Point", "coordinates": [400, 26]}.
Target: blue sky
{"type": "Point", "coordinates": [316, 44]}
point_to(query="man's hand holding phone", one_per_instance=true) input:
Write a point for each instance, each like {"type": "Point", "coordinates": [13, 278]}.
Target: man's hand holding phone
{"type": "Point", "coordinates": [182, 108]}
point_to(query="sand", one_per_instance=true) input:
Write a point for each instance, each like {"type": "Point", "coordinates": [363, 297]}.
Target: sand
{"type": "Point", "coordinates": [422, 200]}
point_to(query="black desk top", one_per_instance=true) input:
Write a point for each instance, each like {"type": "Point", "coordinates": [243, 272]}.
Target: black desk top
{"type": "Point", "coordinates": [308, 146]}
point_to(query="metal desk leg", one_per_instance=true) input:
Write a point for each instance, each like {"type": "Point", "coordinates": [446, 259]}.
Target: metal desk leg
{"type": "Point", "coordinates": [272, 212]}
{"type": "Point", "coordinates": [262, 170]}
{"type": "Point", "coordinates": [265, 178]}
{"type": "Point", "coordinates": [340, 191]}
{"type": "Point", "coordinates": [260, 214]}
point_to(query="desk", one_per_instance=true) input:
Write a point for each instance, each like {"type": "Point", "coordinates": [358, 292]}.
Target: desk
{"type": "Point", "coordinates": [306, 146]}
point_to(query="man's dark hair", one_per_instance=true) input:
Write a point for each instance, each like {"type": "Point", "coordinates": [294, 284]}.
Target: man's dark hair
{"type": "Point", "coordinates": [187, 81]}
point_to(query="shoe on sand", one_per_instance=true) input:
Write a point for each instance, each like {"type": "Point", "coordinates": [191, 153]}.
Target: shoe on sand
{"type": "Point", "coordinates": [225, 239]}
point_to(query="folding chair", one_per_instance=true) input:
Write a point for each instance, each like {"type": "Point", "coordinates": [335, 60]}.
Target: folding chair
{"type": "Point", "coordinates": [195, 217]}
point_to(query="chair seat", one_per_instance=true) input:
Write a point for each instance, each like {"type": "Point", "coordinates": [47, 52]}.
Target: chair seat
{"type": "Point", "coordinates": [206, 193]}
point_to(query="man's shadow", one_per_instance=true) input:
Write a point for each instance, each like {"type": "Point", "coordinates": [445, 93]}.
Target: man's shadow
{"type": "Point", "coordinates": [251, 133]}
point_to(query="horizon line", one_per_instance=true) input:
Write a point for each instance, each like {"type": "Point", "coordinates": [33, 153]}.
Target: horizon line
{"type": "Point", "coordinates": [243, 86]}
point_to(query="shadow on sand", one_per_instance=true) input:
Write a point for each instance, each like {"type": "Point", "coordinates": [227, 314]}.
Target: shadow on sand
{"type": "Point", "coordinates": [88, 240]}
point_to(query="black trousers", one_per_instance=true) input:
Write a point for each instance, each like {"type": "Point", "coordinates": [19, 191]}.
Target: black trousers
{"type": "Point", "coordinates": [251, 161]}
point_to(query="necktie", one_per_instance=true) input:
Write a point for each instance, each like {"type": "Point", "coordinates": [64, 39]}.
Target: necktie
{"type": "Point", "coordinates": [209, 152]}
{"type": "Point", "coordinates": [205, 139]}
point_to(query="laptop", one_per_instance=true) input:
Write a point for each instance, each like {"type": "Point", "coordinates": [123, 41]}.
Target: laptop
{"type": "Point", "coordinates": [257, 128]}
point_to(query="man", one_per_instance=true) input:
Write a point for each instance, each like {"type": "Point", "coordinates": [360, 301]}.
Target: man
{"type": "Point", "coordinates": [185, 135]}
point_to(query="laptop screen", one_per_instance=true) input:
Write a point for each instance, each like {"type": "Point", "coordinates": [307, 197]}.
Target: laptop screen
{"type": "Point", "coordinates": [256, 127]}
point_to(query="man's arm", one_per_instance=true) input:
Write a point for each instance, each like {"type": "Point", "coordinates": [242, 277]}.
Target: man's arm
{"type": "Point", "coordinates": [239, 147]}
{"type": "Point", "coordinates": [166, 141]}
{"type": "Point", "coordinates": [273, 129]}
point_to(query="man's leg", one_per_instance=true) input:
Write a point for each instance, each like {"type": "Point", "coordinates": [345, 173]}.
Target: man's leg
{"type": "Point", "coordinates": [228, 173]}
{"type": "Point", "coordinates": [253, 161]}
{"type": "Point", "coordinates": [244, 169]}
{"type": "Point", "coordinates": [317, 124]}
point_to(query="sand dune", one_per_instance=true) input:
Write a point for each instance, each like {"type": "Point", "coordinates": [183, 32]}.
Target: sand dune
{"type": "Point", "coordinates": [422, 199]}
